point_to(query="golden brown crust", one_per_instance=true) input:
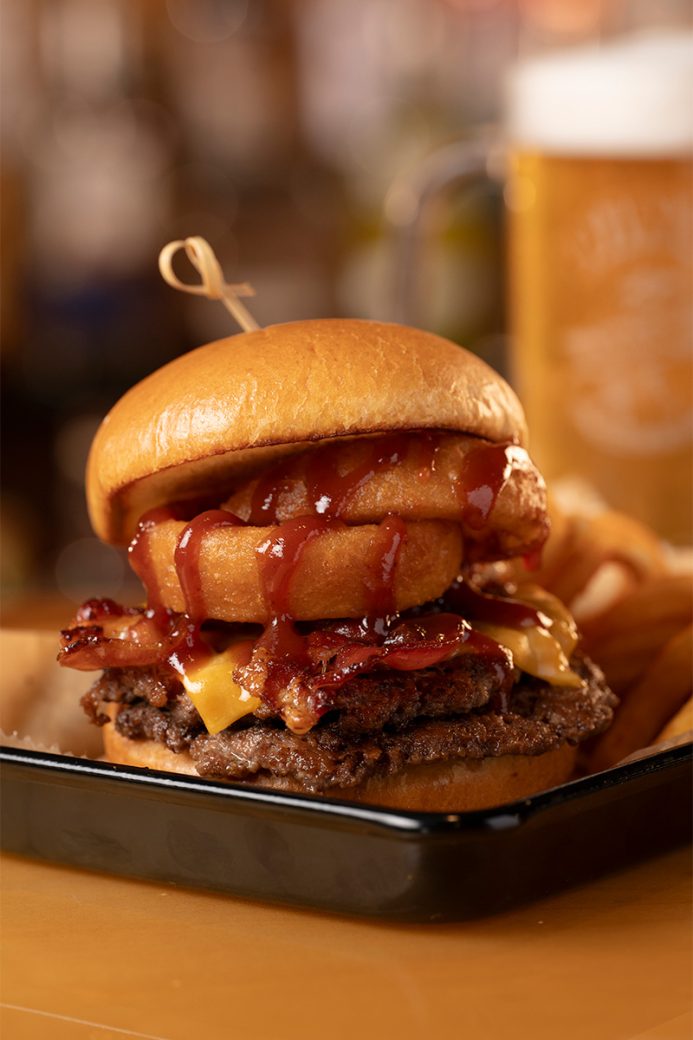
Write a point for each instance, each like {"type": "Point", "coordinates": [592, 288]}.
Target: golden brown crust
{"type": "Point", "coordinates": [147, 754]}
{"type": "Point", "coordinates": [237, 403]}
{"type": "Point", "coordinates": [434, 787]}
{"type": "Point", "coordinates": [517, 524]}
{"type": "Point", "coordinates": [333, 578]}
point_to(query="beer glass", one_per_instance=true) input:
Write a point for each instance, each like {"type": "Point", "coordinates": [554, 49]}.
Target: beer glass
{"type": "Point", "coordinates": [598, 150]}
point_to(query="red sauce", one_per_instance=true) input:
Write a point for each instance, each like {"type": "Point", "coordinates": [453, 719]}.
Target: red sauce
{"type": "Point", "coordinates": [140, 555]}
{"type": "Point", "coordinates": [483, 474]}
{"type": "Point", "coordinates": [329, 492]}
{"type": "Point", "coordinates": [381, 588]}
{"type": "Point", "coordinates": [139, 548]}
{"type": "Point", "coordinates": [468, 601]}
{"type": "Point", "coordinates": [187, 556]}
{"type": "Point", "coordinates": [279, 557]}
{"type": "Point", "coordinates": [532, 561]}
{"type": "Point", "coordinates": [188, 650]}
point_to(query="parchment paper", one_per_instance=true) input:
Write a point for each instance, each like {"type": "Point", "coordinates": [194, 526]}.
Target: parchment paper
{"type": "Point", "coordinates": [39, 700]}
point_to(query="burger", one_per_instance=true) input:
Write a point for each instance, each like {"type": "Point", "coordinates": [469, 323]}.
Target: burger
{"type": "Point", "coordinates": [319, 513]}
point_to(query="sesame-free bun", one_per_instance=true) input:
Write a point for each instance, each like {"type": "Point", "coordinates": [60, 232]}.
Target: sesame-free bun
{"type": "Point", "coordinates": [453, 786]}
{"type": "Point", "coordinates": [228, 408]}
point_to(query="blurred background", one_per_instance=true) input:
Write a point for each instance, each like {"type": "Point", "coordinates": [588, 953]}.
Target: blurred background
{"type": "Point", "coordinates": [275, 129]}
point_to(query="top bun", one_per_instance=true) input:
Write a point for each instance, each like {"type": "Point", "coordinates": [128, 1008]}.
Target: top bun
{"type": "Point", "coordinates": [227, 408]}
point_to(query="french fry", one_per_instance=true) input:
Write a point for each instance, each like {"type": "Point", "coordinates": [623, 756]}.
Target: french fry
{"type": "Point", "coordinates": [611, 583]}
{"type": "Point", "coordinates": [681, 723]}
{"type": "Point", "coordinates": [556, 550]}
{"type": "Point", "coordinates": [582, 544]}
{"type": "Point", "coordinates": [625, 639]}
{"type": "Point", "coordinates": [577, 568]}
{"type": "Point", "coordinates": [633, 599]}
{"type": "Point", "coordinates": [663, 599]}
{"type": "Point", "coordinates": [623, 538]}
{"type": "Point", "coordinates": [660, 692]}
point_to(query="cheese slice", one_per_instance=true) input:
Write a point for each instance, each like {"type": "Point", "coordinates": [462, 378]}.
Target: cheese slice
{"type": "Point", "coordinates": [562, 624]}
{"type": "Point", "coordinates": [212, 689]}
{"type": "Point", "coordinates": [540, 651]}
{"type": "Point", "coordinates": [534, 651]}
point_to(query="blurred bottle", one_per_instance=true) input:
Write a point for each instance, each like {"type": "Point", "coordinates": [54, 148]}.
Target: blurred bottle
{"type": "Point", "coordinates": [601, 266]}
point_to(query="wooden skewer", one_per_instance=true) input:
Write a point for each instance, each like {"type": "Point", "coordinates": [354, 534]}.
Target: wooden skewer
{"type": "Point", "coordinates": [212, 284]}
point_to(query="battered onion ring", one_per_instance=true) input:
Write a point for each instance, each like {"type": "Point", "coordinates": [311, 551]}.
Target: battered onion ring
{"type": "Point", "coordinates": [331, 581]}
{"type": "Point", "coordinates": [517, 524]}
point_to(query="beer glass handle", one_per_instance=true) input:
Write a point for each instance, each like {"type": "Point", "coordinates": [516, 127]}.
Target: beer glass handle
{"type": "Point", "coordinates": [464, 162]}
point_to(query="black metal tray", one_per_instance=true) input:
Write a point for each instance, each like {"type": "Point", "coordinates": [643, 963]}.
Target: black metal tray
{"type": "Point", "coordinates": [337, 856]}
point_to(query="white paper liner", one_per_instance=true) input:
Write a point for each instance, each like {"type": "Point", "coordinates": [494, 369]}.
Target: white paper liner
{"type": "Point", "coordinates": [39, 700]}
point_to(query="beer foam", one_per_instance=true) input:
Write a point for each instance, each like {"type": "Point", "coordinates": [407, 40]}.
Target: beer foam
{"type": "Point", "coordinates": [628, 98]}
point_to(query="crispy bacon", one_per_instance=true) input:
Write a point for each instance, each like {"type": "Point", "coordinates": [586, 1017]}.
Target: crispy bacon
{"type": "Point", "coordinates": [296, 675]}
{"type": "Point", "coordinates": [293, 671]}
{"type": "Point", "coordinates": [407, 646]}
{"type": "Point", "coordinates": [106, 635]}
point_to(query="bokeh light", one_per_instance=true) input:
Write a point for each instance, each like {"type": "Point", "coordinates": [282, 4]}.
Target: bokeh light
{"type": "Point", "coordinates": [288, 133]}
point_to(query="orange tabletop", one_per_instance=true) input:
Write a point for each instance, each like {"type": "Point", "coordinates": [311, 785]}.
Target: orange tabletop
{"type": "Point", "coordinates": [87, 956]}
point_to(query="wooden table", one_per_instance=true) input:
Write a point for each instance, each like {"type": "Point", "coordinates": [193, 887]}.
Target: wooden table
{"type": "Point", "coordinates": [87, 956]}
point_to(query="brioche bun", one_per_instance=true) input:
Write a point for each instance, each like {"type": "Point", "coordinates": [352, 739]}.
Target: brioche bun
{"type": "Point", "coordinates": [232, 406]}
{"type": "Point", "coordinates": [215, 419]}
{"type": "Point", "coordinates": [450, 786]}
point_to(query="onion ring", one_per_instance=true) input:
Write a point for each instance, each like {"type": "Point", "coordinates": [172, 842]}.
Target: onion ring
{"type": "Point", "coordinates": [423, 481]}
{"type": "Point", "coordinates": [333, 580]}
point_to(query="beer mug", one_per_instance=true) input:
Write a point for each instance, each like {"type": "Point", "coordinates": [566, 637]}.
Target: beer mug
{"type": "Point", "coordinates": [598, 168]}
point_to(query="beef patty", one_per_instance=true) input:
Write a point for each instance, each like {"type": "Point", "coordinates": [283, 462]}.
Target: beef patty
{"type": "Point", "coordinates": [381, 722]}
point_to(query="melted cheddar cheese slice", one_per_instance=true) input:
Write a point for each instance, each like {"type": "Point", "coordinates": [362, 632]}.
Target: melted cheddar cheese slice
{"type": "Point", "coordinates": [541, 652]}
{"type": "Point", "coordinates": [211, 687]}
{"type": "Point", "coordinates": [534, 651]}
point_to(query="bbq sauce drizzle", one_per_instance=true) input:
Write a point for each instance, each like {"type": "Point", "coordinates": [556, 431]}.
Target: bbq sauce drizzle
{"type": "Point", "coordinates": [483, 474]}
{"type": "Point", "coordinates": [380, 635]}
{"type": "Point", "coordinates": [328, 492]}
{"type": "Point", "coordinates": [187, 557]}
{"type": "Point", "coordinates": [291, 653]}
{"type": "Point", "coordinates": [139, 551]}
{"type": "Point", "coordinates": [330, 653]}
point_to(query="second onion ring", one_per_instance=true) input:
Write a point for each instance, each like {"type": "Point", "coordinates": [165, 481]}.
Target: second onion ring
{"type": "Point", "coordinates": [334, 577]}
{"type": "Point", "coordinates": [418, 476]}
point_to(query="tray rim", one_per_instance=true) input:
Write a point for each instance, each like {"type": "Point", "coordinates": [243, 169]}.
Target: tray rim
{"type": "Point", "coordinates": [400, 823]}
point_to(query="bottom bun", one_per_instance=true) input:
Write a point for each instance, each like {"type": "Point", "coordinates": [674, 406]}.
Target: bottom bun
{"type": "Point", "coordinates": [452, 786]}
